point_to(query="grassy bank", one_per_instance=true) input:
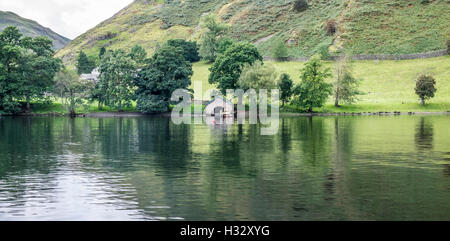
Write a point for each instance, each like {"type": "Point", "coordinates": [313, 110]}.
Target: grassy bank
{"type": "Point", "coordinates": [388, 87]}
{"type": "Point", "coordinates": [58, 108]}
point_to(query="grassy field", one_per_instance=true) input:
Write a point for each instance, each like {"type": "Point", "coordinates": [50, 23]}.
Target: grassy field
{"type": "Point", "coordinates": [388, 85]}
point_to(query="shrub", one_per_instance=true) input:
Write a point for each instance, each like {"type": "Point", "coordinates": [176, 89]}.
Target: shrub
{"type": "Point", "coordinates": [448, 46]}
{"type": "Point", "coordinates": [425, 88]}
{"type": "Point", "coordinates": [280, 51]}
{"type": "Point", "coordinates": [324, 52]}
{"type": "Point", "coordinates": [300, 5]}
{"type": "Point", "coordinates": [331, 27]}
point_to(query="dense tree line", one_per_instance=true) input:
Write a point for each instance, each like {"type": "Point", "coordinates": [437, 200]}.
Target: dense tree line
{"type": "Point", "coordinates": [27, 69]}
{"type": "Point", "coordinates": [131, 76]}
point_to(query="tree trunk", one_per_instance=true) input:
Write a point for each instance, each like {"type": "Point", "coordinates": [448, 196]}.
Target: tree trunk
{"type": "Point", "coordinates": [72, 113]}
{"type": "Point", "coordinates": [422, 101]}
{"type": "Point", "coordinates": [28, 104]}
{"type": "Point", "coordinates": [336, 102]}
{"type": "Point", "coordinates": [100, 106]}
{"type": "Point", "coordinates": [310, 110]}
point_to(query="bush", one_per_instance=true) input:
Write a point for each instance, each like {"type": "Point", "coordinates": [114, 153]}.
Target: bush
{"type": "Point", "coordinates": [425, 88]}
{"type": "Point", "coordinates": [331, 27]}
{"type": "Point", "coordinates": [280, 51]}
{"type": "Point", "coordinates": [300, 5]}
{"type": "Point", "coordinates": [324, 52]}
{"type": "Point", "coordinates": [448, 46]}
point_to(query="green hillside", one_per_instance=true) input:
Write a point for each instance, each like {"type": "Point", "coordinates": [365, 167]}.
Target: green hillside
{"type": "Point", "coordinates": [363, 26]}
{"type": "Point", "coordinates": [31, 28]}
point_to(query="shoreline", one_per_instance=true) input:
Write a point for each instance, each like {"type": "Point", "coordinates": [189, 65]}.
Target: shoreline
{"type": "Point", "coordinates": [168, 114]}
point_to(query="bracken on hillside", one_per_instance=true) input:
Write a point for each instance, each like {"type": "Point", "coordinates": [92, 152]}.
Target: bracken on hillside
{"type": "Point", "coordinates": [362, 26]}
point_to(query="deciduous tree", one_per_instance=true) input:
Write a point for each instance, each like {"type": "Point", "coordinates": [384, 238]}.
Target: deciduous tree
{"type": "Point", "coordinates": [285, 85]}
{"type": "Point", "coordinates": [138, 54]}
{"type": "Point", "coordinates": [228, 67]}
{"type": "Point", "coordinates": [280, 51]}
{"type": "Point", "coordinates": [190, 49]}
{"type": "Point", "coordinates": [85, 65]}
{"type": "Point", "coordinates": [313, 91]}
{"type": "Point", "coordinates": [72, 90]}
{"type": "Point", "coordinates": [117, 71]}
{"type": "Point", "coordinates": [425, 88]}
{"type": "Point", "coordinates": [346, 85]}
{"type": "Point", "coordinates": [259, 76]}
{"type": "Point", "coordinates": [164, 73]}
{"type": "Point", "coordinates": [27, 68]}
{"type": "Point", "coordinates": [211, 38]}
{"type": "Point", "coordinates": [38, 68]}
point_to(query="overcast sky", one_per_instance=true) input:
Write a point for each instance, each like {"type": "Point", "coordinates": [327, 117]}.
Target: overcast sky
{"type": "Point", "coordinates": [69, 18]}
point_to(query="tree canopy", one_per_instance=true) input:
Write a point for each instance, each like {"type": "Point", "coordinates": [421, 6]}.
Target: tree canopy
{"type": "Point", "coordinates": [425, 88]}
{"type": "Point", "coordinates": [227, 69]}
{"type": "Point", "coordinates": [85, 65]}
{"type": "Point", "coordinates": [259, 76]}
{"type": "Point", "coordinates": [280, 51]}
{"type": "Point", "coordinates": [27, 68]}
{"type": "Point", "coordinates": [164, 73]}
{"type": "Point", "coordinates": [346, 85]}
{"type": "Point", "coordinates": [138, 54]}
{"type": "Point", "coordinates": [211, 38]}
{"type": "Point", "coordinates": [117, 70]}
{"type": "Point", "coordinates": [190, 49]}
{"type": "Point", "coordinates": [313, 91]}
{"type": "Point", "coordinates": [285, 85]}
{"type": "Point", "coordinates": [72, 90]}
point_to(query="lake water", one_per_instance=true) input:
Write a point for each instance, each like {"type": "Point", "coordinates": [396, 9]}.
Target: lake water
{"type": "Point", "coordinates": [320, 168]}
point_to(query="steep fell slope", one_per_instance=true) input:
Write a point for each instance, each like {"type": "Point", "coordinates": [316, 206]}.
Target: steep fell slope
{"type": "Point", "coordinates": [31, 28]}
{"type": "Point", "coordinates": [363, 26]}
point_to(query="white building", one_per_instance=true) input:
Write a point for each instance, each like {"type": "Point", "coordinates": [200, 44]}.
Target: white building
{"type": "Point", "coordinates": [93, 76]}
{"type": "Point", "coordinates": [219, 107]}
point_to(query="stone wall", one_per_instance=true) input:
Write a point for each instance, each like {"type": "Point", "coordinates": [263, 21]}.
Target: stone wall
{"type": "Point", "coordinates": [425, 55]}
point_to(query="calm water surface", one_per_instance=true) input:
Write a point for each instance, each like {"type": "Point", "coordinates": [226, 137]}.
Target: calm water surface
{"type": "Point", "coordinates": [321, 168]}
